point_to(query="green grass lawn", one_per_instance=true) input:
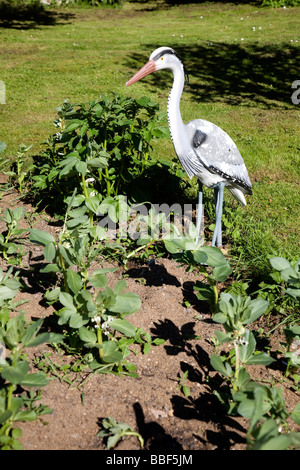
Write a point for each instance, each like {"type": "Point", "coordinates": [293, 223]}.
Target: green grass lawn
{"type": "Point", "coordinates": [241, 60]}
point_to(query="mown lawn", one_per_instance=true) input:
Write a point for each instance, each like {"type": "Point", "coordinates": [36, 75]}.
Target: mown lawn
{"type": "Point", "coordinates": [241, 59]}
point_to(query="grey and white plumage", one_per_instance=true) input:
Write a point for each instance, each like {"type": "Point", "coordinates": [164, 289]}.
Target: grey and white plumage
{"type": "Point", "coordinates": [204, 149]}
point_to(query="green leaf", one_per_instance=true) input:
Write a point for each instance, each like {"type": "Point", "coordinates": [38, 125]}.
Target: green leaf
{"type": "Point", "coordinates": [247, 346]}
{"type": "Point", "coordinates": [260, 358]}
{"type": "Point", "coordinates": [81, 167]}
{"type": "Point", "coordinates": [279, 263]}
{"type": "Point", "coordinates": [35, 380]}
{"type": "Point", "coordinates": [294, 293]}
{"type": "Point", "coordinates": [74, 281]}
{"type": "Point", "coordinates": [92, 203]}
{"type": "Point", "coordinates": [296, 414]}
{"type": "Point", "coordinates": [7, 293]}
{"type": "Point", "coordinates": [120, 286]}
{"type": "Point", "coordinates": [86, 335]}
{"type": "Point", "coordinates": [40, 237]}
{"type": "Point", "coordinates": [221, 273]}
{"type": "Point", "coordinates": [5, 416]}
{"type": "Point", "coordinates": [99, 280]}
{"type": "Point", "coordinates": [67, 300]}
{"type": "Point", "coordinates": [64, 315]}
{"type": "Point", "coordinates": [49, 252]}
{"type": "Point", "coordinates": [214, 255]}
{"type": "Point", "coordinates": [257, 307]}
{"type": "Point", "coordinates": [15, 374]}
{"type": "Point", "coordinates": [65, 254]}
{"type": "Point", "coordinates": [50, 268]}
{"type": "Point", "coordinates": [99, 162]}
{"type": "Point", "coordinates": [45, 338]}
{"type": "Point", "coordinates": [73, 126]}
{"type": "Point", "coordinates": [126, 303]}
{"type": "Point", "coordinates": [25, 415]}
{"type": "Point", "coordinates": [31, 331]}
{"type": "Point", "coordinates": [204, 291]}
{"type": "Point", "coordinates": [112, 441]}
{"type": "Point", "coordinates": [220, 366]}
{"type": "Point", "coordinates": [222, 337]}
{"type": "Point", "coordinates": [111, 353]}
{"type": "Point", "coordinates": [123, 326]}
{"type": "Point", "coordinates": [220, 318]}
{"type": "Point", "coordinates": [53, 294]}
{"type": "Point", "coordinates": [76, 321]}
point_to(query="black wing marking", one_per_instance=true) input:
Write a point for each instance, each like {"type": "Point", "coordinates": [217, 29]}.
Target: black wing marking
{"type": "Point", "coordinates": [199, 138]}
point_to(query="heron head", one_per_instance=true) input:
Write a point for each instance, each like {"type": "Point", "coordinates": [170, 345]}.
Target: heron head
{"type": "Point", "coordinates": [161, 58]}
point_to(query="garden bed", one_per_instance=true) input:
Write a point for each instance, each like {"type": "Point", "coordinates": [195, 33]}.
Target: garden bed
{"type": "Point", "coordinates": [152, 404]}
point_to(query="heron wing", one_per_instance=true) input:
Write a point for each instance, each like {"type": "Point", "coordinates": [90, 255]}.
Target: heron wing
{"type": "Point", "coordinates": [218, 153]}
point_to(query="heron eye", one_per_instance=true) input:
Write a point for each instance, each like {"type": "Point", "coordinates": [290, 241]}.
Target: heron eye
{"type": "Point", "coordinates": [161, 58]}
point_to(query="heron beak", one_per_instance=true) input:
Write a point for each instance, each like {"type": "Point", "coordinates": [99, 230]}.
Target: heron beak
{"type": "Point", "coordinates": [145, 70]}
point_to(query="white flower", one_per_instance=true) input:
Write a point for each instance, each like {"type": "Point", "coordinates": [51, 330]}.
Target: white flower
{"type": "Point", "coordinates": [90, 180]}
{"type": "Point", "coordinates": [97, 320]}
{"type": "Point", "coordinates": [105, 325]}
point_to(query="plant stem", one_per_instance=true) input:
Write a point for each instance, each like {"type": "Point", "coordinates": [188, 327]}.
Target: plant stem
{"type": "Point", "coordinates": [100, 342]}
{"type": "Point", "coordinates": [62, 263]}
{"type": "Point", "coordinates": [10, 393]}
{"type": "Point", "coordinates": [133, 433]}
{"type": "Point", "coordinates": [237, 365]}
{"type": "Point", "coordinates": [216, 296]}
{"type": "Point", "coordinates": [86, 194]}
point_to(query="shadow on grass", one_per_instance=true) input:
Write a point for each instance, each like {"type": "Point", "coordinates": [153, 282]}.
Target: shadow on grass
{"type": "Point", "coordinates": [16, 15]}
{"type": "Point", "coordinates": [236, 74]}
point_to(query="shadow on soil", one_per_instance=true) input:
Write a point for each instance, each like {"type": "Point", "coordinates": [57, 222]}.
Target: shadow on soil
{"type": "Point", "coordinates": [206, 407]}
{"type": "Point", "coordinates": [236, 74]}
{"type": "Point", "coordinates": [155, 437]}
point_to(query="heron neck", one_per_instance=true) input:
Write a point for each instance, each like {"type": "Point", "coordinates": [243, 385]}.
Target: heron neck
{"type": "Point", "coordinates": [174, 116]}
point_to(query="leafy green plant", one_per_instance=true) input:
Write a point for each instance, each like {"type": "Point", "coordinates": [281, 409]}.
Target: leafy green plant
{"type": "Point", "coordinates": [265, 408]}
{"type": "Point", "coordinates": [182, 384]}
{"type": "Point", "coordinates": [292, 351]}
{"type": "Point", "coordinates": [280, 3]}
{"type": "Point", "coordinates": [235, 313]}
{"type": "Point", "coordinates": [16, 335]}
{"type": "Point", "coordinates": [114, 431]}
{"type": "Point", "coordinates": [100, 148]}
{"type": "Point", "coordinates": [18, 170]}
{"type": "Point", "coordinates": [289, 274]}
{"type": "Point", "coordinates": [208, 260]}
{"type": "Point", "coordinates": [11, 245]}
{"type": "Point", "coordinates": [92, 312]}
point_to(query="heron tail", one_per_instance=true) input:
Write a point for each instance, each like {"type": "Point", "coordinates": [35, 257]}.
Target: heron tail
{"type": "Point", "coordinates": [239, 196]}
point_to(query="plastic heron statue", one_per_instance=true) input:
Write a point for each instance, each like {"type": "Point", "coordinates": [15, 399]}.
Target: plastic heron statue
{"type": "Point", "coordinates": [203, 149]}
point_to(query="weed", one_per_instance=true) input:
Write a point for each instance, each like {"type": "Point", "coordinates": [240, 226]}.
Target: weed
{"type": "Point", "coordinates": [114, 431]}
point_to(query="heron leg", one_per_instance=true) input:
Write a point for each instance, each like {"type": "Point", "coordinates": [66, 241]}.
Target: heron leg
{"type": "Point", "coordinates": [199, 221]}
{"type": "Point", "coordinates": [218, 195]}
{"type": "Point", "coordinates": [219, 231]}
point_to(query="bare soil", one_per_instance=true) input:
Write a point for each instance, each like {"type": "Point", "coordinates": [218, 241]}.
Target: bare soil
{"type": "Point", "coordinates": [151, 404]}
